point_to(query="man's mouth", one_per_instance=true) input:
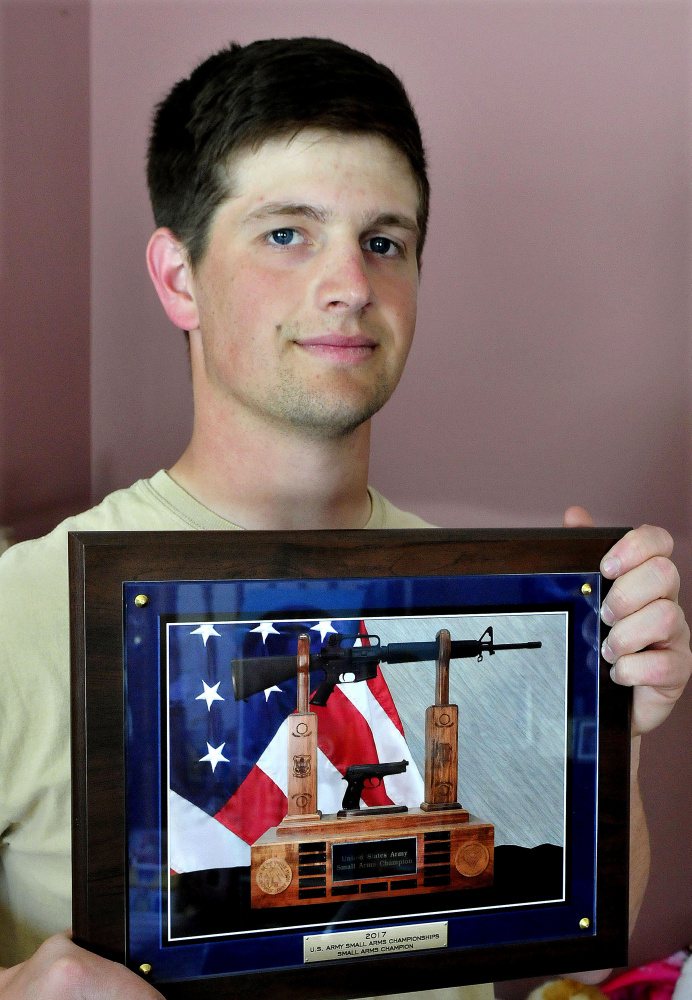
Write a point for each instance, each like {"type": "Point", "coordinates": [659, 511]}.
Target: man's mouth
{"type": "Point", "coordinates": [339, 347]}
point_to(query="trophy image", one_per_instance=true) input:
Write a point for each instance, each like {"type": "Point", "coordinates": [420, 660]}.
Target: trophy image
{"type": "Point", "coordinates": [377, 851]}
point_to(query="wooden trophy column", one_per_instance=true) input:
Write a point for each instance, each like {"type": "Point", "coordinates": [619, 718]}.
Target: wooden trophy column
{"type": "Point", "coordinates": [441, 737]}
{"type": "Point", "coordinates": [302, 749]}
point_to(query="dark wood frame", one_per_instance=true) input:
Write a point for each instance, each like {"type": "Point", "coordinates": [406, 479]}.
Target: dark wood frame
{"type": "Point", "coordinates": [99, 564]}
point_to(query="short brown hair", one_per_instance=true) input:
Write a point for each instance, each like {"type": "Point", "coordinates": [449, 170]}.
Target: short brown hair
{"type": "Point", "coordinates": [244, 95]}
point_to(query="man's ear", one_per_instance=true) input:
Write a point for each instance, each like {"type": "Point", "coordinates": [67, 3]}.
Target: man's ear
{"type": "Point", "coordinates": [169, 269]}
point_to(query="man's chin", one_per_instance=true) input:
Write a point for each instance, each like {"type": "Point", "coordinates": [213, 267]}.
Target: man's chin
{"type": "Point", "coordinates": [330, 428]}
{"type": "Point", "coordinates": [323, 420]}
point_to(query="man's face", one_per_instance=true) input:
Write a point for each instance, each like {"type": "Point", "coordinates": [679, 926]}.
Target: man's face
{"type": "Point", "coordinates": [306, 294]}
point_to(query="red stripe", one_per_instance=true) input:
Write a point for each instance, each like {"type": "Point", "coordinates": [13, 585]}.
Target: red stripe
{"type": "Point", "coordinates": [256, 806]}
{"type": "Point", "coordinates": [345, 738]}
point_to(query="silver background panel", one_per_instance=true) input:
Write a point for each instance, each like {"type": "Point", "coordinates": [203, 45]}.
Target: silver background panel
{"type": "Point", "coordinates": [512, 718]}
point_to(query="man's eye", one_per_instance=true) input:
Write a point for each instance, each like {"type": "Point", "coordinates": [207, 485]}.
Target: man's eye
{"type": "Point", "coordinates": [383, 246]}
{"type": "Point", "coordinates": [284, 237]}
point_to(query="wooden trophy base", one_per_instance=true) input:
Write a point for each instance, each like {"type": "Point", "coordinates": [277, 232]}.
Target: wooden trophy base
{"type": "Point", "coordinates": [291, 822]}
{"type": "Point", "coordinates": [373, 857]}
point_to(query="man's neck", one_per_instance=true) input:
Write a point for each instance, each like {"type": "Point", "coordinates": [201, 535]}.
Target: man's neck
{"type": "Point", "coordinates": [259, 476]}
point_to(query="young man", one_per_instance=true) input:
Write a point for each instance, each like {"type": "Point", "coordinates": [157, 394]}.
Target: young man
{"type": "Point", "coordinates": [289, 188]}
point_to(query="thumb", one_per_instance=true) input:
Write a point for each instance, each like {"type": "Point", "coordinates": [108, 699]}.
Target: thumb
{"type": "Point", "coordinates": [577, 517]}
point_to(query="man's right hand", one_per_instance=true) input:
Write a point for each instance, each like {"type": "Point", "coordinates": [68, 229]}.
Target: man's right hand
{"type": "Point", "coordinates": [59, 970]}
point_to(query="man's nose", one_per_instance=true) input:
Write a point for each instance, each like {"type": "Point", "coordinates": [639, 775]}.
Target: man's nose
{"type": "Point", "coordinates": [344, 282]}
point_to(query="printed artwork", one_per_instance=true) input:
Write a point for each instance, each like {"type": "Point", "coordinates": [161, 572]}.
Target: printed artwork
{"type": "Point", "coordinates": [228, 764]}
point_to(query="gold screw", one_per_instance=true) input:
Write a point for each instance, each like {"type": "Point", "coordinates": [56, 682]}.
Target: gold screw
{"type": "Point", "coordinates": [140, 601]}
{"type": "Point", "coordinates": [145, 969]}
{"type": "Point", "coordinates": [586, 588]}
{"type": "Point", "coordinates": [585, 923]}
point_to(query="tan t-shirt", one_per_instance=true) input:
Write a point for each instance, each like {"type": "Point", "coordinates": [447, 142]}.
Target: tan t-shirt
{"type": "Point", "coordinates": [35, 814]}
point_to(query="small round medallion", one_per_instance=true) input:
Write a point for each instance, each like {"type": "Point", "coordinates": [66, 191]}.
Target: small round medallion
{"type": "Point", "coordinates": [274, 876]}
{"type": "Point", "coordinates": [472, 858]}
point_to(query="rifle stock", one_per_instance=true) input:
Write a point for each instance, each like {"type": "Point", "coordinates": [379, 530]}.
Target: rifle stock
{"type": "Point", "coordinates": [257, 673]}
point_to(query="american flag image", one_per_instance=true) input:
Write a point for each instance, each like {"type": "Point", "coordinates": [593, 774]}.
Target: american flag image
{"type": "Point", "coordinates": [227, 759]}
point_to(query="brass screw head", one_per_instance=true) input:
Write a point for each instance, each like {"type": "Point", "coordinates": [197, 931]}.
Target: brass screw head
{"type": "Point", "coordinates": [585, 923]}
{"type": "Point", "coordinates": [141, 600]}
{"type": "Point", "coordinates": [145, 969]}
{"type": "Point", "coordinates": [586, 588]}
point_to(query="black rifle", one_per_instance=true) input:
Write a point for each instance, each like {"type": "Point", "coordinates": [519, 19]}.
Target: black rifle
{"type": "Point", "coordinates": [358, 774]}
{"type": "Point", "coordinates": [347, 664]}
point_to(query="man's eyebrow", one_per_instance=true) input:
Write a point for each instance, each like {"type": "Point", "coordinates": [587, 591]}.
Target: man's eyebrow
{"type": "Point", "coordinates": [319, 214]}
{"type": "Point", "coordinates": [393, 219]}
{"type": "Point", "coordinates": [272, 209]}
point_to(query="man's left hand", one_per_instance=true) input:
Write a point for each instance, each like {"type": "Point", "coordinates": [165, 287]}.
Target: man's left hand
{"type": "Point", "coordinates": [649, 641]}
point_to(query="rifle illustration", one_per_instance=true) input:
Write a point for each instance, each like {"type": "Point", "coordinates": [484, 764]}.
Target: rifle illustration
{"type": "Point", "coordinates": [358, 774]}
{"type": "Point", "coordinates": [348, 664]}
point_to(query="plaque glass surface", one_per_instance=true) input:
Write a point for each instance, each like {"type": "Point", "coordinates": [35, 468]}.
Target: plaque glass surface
{"type": "Point", "coordinates": [482, 782]}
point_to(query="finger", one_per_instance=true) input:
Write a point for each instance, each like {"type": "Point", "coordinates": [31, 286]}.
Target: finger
{"type": "Point", "coordinates": [90, 978]}
{"type": "Point", "coordinates": [651, 706]}
{"type": "Point", "coordinates": [635, 548]}
{"type": "Point", "coordinates": [652, 702]}
{"type": "Point", "coordinates": [577, 517]}
{"type": "Point", "coordinates": [661, 622]}
{"type": "Point", "coordinates": [666, 670]}
{"type": "Point", "coordinates": [656, 578]}
{"type": "Point", "coordinates": [60, 969]}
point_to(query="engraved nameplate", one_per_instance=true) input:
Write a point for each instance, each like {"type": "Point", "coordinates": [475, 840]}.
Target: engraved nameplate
{"type": "Point", "coordinates": [376, 941]}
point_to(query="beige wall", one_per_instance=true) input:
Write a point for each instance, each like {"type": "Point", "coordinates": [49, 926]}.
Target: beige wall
{"type": "Point", "coordinates": [552, 359]}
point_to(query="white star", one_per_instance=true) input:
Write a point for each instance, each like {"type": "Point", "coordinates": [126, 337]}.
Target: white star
{"type": "Point", "coordinates": [265, 629]}
{"type": "Point", "coordinates": [205, 630]}
{"type": "Point", "coordinates": [210, 694]}
{"type": "Point", "coordinates": [323, 628]}
{"type": "Point", "coordinates": [214, 756]}
{"type": "Point", "coordinates": [268, 691]}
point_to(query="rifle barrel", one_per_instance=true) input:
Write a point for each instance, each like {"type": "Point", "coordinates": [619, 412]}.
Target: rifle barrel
{"type": "Point", "coordinates": [419, 652]}
{"type": "Point", "coordinates": [517, 645]}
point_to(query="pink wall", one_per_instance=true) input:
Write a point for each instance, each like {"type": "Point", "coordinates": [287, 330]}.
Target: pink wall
{"type": "Point", "coordinates": [552, 359]}
{"type": "Point", "coordinates": [44, 263]}
{"type": "Point", "coordinates": [554, 295]}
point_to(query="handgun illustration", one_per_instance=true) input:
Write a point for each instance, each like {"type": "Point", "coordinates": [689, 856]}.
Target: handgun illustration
{"type": "Point", "coordinates": [357, 774]}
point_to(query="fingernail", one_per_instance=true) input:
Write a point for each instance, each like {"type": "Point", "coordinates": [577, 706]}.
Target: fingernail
{"type": "Point", "coordinates": [607, 652]}
{"type": "Point", "coordinates": [606, 614]}
{"type": "Point", "coordinates": [611, 566]}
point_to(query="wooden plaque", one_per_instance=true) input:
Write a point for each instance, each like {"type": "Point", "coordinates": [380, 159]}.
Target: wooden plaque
{"type": "Point", "coordinates": [495, 797]}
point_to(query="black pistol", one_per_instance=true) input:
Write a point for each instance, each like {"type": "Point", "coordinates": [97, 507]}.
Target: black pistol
{"type": "Point", "coordinates": [357, 774]}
